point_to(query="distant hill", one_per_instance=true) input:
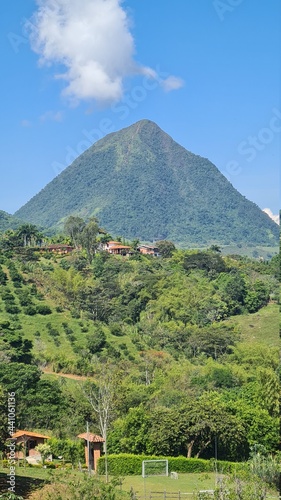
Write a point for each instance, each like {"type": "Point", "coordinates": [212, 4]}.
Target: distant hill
{"type": "Point", "coordinates": [141, 184]}
{"type": "Point", "coordinates": [8, 221]}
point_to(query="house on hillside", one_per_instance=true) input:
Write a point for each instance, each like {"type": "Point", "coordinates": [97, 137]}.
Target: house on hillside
{"type": "Point", "coordinates": [93, 448]}
{"type": "Point", "coordinates": [116, 248]}
{"type": "Point", "coordinates": [27, 441]}
{"type": "Point", "coordinates": [149, 250]}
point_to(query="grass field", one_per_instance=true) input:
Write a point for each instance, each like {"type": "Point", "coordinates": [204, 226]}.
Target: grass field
{"type": "Point", "coordinates": [265, 252]}
{"type": "Point", "coordinates": [30, 478]}
{"type": "Point", "coordinates": [260, 327]}
{"type": "Point", "coordinates": [186, 483]}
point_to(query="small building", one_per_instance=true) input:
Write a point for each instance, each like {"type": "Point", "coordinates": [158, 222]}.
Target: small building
{"type": "Point", "coordinates": [59, 249]}
{"type": "Point", "coordinates": [116, 248]}
{"type": "Point", "coordinates": [149, 250]}
{"type": "Point", "coordinates": [28, 441]}
{"type": "Point", "coordinates": [93, 453]}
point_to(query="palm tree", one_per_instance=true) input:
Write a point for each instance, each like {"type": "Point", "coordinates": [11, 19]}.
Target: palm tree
{"type": "Point", "coordinates": [39, 238]}
{"type": "Point", "coordinates": [27, 232]}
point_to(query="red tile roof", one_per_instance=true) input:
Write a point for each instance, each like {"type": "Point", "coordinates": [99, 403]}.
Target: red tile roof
{"type": "Point", "coordinates": [29, 434]}
{"type": "Point", "coordinates": [93, 438]}
{"type": "Point", "coordinates": [116, 247]}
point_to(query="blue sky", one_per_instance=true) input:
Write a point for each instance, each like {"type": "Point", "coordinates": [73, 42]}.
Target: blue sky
{"type": "Point", "coordinates": [206, 71]}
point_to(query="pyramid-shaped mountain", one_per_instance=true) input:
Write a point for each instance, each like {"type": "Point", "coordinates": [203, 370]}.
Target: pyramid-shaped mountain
{"type": "Point", "coordinates": [141, 184]}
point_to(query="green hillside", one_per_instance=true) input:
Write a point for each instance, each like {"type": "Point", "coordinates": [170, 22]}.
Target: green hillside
{"type": "Point", "coordinates": [142, 184]}
{"type": "Point", "coordinates": [104, 310]}
{"type": "Point", "coordinates": [7, 221]}
{"type": "Point", "coordinates": [182, 343]}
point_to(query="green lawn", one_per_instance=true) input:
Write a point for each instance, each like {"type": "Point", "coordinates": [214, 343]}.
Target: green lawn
{"type": "Point", "coordinates": [264, 252]}
{"type": "Point", "coordinates": [186, 483]}
{"type": "Point", "coordinates": [32, 478]}
{"type": "Point", "coordinates": [260, 327]}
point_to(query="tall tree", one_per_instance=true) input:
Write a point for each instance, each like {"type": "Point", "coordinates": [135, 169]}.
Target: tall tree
{"type": "Point", "coordinates": [27, 232]}
{"type": "Point", "coordinates": [74, 226]}
{"type": "Point", "coordinates": [88, 237]}
{"type": "Point", "coordinates": [101, 397]}
{"type": "Point", "coordinates": [165, 247]}
{"type": "Point", "coordinates": [208, 418]}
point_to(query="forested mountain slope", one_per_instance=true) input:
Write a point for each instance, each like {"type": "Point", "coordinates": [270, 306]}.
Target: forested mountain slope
{"type": "Point", "coordinates": [140, 183]}
{"type": "Point", "coordinates": [7, 221]}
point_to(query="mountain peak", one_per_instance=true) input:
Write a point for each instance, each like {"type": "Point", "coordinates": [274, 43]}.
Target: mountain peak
{"type": "Point", "coordinates": [141, 184]}
{"type": "Point", "coordinates": [143, 127]}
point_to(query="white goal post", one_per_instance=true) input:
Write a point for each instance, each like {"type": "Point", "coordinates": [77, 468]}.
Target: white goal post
{"type": "Point", "coordinates": [155, 468]}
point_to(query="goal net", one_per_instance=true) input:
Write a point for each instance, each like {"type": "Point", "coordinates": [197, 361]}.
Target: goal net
{"type": "Point", "coordinates": [155, 468]}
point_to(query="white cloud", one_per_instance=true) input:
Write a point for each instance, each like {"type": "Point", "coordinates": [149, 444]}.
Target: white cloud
{"type": "Point", "coordinates": [272, 215]}
{"type": "Point", "coordinates": [91, 40]}
{"type": "Point", "coordinates": [172, 83]}
{"type": "Point", "coordinates": [56, 116]}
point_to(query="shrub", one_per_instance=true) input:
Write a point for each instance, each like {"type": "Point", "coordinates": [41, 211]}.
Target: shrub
{"type": "Point", "coordinates": [15, 276]}
{"type": "Point", "coordinates": [53, 332]}
{"type": "Point", "coordinates": [7, 296]}
{"type": "Point", "coordinates": [25, 301]}
{"type": "Point", "coordinates": [68, 330]}
{"type": "Point", "coordinates": [44, 310]}
{"type": "Point", "coordinates": [96, 341]}
{"type": "Point", "coordinates": [127, 464]}
{"type": "Point", "coordinates": [3, 277]}
{"type": "Point", "coordinates": [12, 309]}
{"type": "Point", "coordinates": [30, 310]}
{"type": "Point", "coordinates": [116, 329]}
{"type": "Point", "coordinates": [5, 325]}
{"type": "Point", "coordinates": [17, 284]}
{"type": "Point", "coordinates": [75, 314]}
{"type": "Point", "coordinates": [50, 465]}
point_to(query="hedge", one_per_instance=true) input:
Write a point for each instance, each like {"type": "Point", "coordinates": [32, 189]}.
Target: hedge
{"type": "Point", "coordinates": [128, 465]}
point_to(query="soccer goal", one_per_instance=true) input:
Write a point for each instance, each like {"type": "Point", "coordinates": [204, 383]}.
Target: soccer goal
{"type": "Point", "coordinates": [155, 468]}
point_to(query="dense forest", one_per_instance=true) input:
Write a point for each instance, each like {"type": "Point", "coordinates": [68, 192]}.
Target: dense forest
{"type": "Point", "coordinates": [7, 221]}
{"type": "Point", "coordinates": [184, 346]}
